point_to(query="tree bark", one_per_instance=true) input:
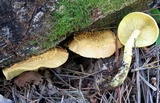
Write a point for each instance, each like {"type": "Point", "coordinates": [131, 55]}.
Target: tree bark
{"type": "Point", "coordinates": [30, 27]}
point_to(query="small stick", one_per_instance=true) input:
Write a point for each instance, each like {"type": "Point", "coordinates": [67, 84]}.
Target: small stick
{"type": "Point", "coordinates": [116, 60]}
{"type": "Point", "coordinates": [150, 85]}
{"type": "Point", "coordinates": [117, 51]}
{"type": "Point", "coordinates": [137, 76]}
{"type": "Point", "coordinates": [61, 79]}
{"type": "Point", "coordinates": [157, 99]}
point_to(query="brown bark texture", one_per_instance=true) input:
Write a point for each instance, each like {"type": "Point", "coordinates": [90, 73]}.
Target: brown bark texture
{"type": "Point", "coordinates": [24, 22]}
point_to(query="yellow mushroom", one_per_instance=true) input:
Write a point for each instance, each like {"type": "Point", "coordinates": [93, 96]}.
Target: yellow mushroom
{"type": "Point", "coordinates": [138, 27]}
{"type": "Point", "coordinates": [50, 59]}
{"type": "Point", "coordinates": [98, 44]}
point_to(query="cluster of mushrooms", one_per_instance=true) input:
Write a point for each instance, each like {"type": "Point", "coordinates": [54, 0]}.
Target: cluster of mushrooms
{"type": "Point", "coordinates": [136, 28]}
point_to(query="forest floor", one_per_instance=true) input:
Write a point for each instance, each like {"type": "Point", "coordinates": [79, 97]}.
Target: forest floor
{"type": "Point", "coordinates": [76, 81]}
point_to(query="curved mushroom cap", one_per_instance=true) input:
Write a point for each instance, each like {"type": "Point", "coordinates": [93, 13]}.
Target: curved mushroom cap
{"type": "Point", "coordinates": [50, 59]}
{"type": "Point", "coordinates": [138, 21]}
{"type": "Point", "coordinates": [94, 44]}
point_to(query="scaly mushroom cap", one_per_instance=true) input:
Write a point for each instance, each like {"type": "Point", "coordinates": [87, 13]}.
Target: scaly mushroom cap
{"type": "Point", "coordinates": [99, 44]}
{"type": "Point", "coordinates": [138, 21]}
{"type": "Point", "coordinates": [50, 59]}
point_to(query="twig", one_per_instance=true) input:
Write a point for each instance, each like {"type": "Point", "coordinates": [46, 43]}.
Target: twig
{"type": "Point", "coordinates": [150, 85]}
{"type": "Point", "coordinates": [145, 65]}
{"type": "Point", "coordinates": [117, 51]}
{"type": "Point", "coordinates": [62, 79]}
{"type": "Point", "coordinates": [148, 90]}
{"type": "Point", "coordinates": [43, 97]}
{"type": "Point", "coordinates": [137, 76]}
{"type": "Point", "coordinates": [13, 95]}
{"type": "Point", "coordinates": [119, 94]}
{"type": "Point", "coordinates": [144, 68]}
{"type": "Point", "coordinates": [145, 88]}
{"type": "Point", "coordinates": [112, 98]}
{"type": "Point", "coordinates": [128, 93]}
{"type": "Point", "coordinates": [85, 74]}
{"type": "Point", "coordinates": [104, 98]}
{"type": "Point", "coordinates": [62, 99]}
{"type": "Point", "coordinates": [69, 94]}
{"type": "Point", "coordinates": [80, 84]}
{"type": "Point", "coordinates": [157, 99]}
{"type": "Point", "coordinates": [116, 59]}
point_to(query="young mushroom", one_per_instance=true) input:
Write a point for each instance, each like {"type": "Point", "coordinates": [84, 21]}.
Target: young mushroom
{"type": "Point", "coordinates": [50, 59]}
{"type": "Point", "coordinates": [135, 27]}
{"type": "Point", "coordinates": [98, 44]}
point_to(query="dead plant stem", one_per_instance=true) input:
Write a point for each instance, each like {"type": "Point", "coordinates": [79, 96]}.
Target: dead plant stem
{"type": "Point", "coordinates": [116, 59]}
{"type": "Point", "coordinates": [137, 76]}
{"type": "Point", "coordinates": [157, 99]}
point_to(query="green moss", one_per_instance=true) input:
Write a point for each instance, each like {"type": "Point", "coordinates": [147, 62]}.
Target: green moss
{"type": "Point", "coordinates": [32, 42]}
{"type": "Point", "coordinates": [72, 15]}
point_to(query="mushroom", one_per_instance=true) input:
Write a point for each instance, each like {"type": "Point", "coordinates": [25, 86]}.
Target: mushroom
{"type": "Point", "coordinates": [135, 27]}
{"type": "Point", "coordinates": [98, 44]}
{"type": "Point", "coordinates": [50, 59]}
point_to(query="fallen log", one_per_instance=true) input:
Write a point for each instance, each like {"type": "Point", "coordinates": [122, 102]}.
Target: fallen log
{"type": "Point", "coordinates": [31, 27]}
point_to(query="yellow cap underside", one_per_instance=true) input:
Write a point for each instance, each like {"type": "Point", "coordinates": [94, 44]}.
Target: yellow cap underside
{"type": "Point", "coordinates": [51, 59]}
{"type": "Point", "coordinates": [138, 21]}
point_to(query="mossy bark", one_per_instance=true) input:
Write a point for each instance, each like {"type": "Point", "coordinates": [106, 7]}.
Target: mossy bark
{"type": "Point", "coordinates": [32, 27]}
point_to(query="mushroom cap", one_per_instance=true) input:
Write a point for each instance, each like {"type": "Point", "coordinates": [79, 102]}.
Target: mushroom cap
{"type": "Point", "coordinates": [50, 59]}
{"type": "Point", "coordinates": [138, 21]}
{"type": "Point", "coordinates": [98, 44]}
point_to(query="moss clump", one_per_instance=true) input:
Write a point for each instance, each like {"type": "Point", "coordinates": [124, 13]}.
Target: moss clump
{"type": "Point", "coordinates": [72, 15]}
{"type": "Point", "coordinates": [32, 42]}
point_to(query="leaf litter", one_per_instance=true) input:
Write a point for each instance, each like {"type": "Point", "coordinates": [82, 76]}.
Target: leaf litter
{"type": "Point", "coordinates": [78, 81]}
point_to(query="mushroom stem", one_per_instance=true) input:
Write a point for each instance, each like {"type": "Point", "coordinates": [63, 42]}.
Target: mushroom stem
{"type": "Point", "coordinates": [127, 57]}
{"type": "Point", "coordinates": [142, 28]}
